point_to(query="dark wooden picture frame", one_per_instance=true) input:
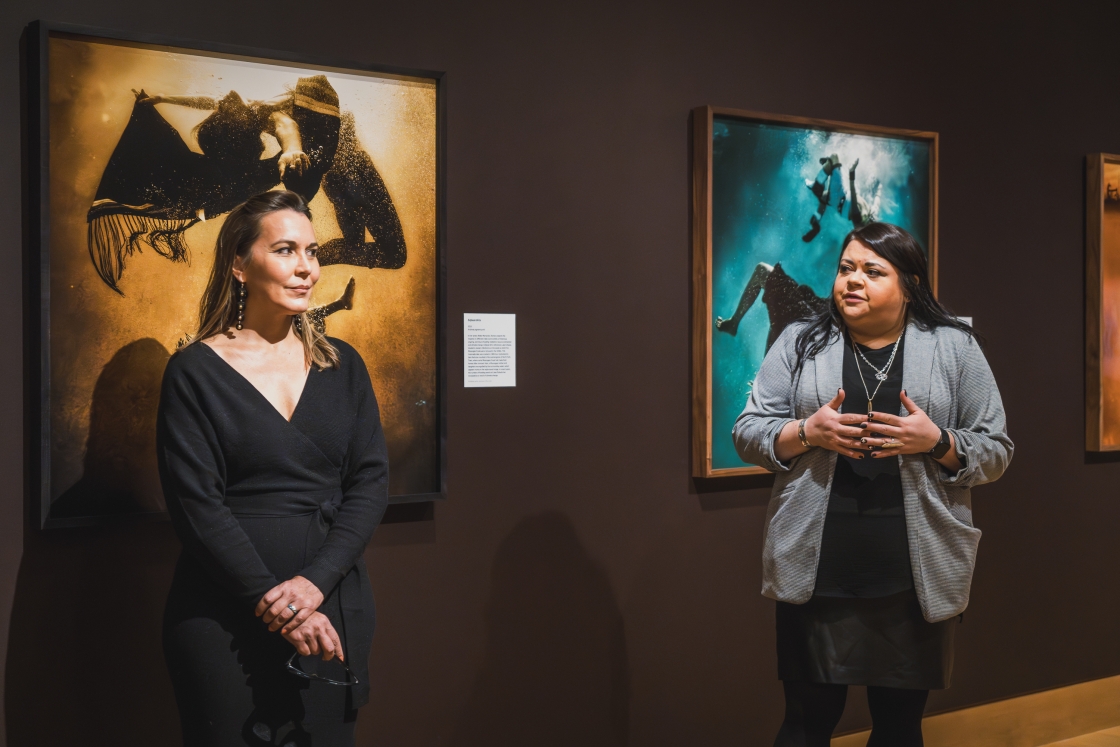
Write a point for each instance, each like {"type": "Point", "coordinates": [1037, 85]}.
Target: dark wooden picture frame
{"type": "Point", "coordinates": [704, 122]}
{"type": "Point", "coordinates": [1102, 248]}
{"type": "Point", "coordinates": [37, 291]}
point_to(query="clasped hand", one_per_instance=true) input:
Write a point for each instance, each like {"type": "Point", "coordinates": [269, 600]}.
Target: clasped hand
{"type": "Point", "coordinates": [298, 592]}
{"type": "Point", "coordinates": [881, 434]}
{"type": "Point", "coordinates": [309, 631]}
{"type": "Point", "coordinates": [316, 636]}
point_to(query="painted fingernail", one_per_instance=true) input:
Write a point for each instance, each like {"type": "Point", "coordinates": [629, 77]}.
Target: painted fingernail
{"type": "Point", "coordinates": [863, 440]}
{"type": "Point", "coordinates": [863, 425]}
{"type": "Point", "coordinates": [862, 456]}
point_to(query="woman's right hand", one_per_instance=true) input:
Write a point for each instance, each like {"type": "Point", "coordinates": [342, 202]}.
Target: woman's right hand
{"type": "Point", "coordinates": [316, 636]}
{"type": "Point", "coordinates": [840, 432]}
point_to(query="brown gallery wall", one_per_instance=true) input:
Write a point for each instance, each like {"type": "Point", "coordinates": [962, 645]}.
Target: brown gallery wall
{"type": "Point", "coordinates": [577, 587]}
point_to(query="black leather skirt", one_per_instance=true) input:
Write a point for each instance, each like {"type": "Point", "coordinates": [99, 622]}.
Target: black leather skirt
{"type": "Point", "coordinates": [884, 642]}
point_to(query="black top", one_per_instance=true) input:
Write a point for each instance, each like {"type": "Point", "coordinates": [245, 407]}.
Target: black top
{"type": "Point", "coordinates": [864, 550]}
{"type": "Point", "coordinates": [257, 499]}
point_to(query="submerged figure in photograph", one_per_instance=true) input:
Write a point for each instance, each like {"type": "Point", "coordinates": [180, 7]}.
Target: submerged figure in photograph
{"type": "Point", "coordinates": [786, 301]}
{"type": "Point", "coordinates": [361, 204]}
{"type": "Point", "coordinates": [860, 212]}
{"type": "Point", "coordinates": [828, 188]}
{"type": "Point", "coordinates": [155, 187]}
{"type": "Point", "coordinates": [345, 302]}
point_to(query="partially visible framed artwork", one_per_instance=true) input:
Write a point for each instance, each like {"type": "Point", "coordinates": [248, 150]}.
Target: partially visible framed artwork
{"type": "Point", "coordinates": [139, 147]}
{"type": "Point", "coordinates": [1102, 303]}
{"type": "Point", "coordinates": [773, 198]}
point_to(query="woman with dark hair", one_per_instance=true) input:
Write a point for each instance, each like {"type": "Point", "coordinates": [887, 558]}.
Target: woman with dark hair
{"type": "Point", "coordinates": [273, 464]}
{"type": "Point", "coordinates": [878, 414]}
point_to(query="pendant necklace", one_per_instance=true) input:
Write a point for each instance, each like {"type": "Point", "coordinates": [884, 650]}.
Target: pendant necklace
{"type": "Point", "coordinates": [881, 375]}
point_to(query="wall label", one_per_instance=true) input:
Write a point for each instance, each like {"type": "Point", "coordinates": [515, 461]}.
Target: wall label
{"type": "Point", "coordinates": [489, 350]}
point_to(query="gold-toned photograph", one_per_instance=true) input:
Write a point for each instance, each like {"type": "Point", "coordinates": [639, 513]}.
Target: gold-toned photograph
{"type": "Point", "coordinates": [149, 148]}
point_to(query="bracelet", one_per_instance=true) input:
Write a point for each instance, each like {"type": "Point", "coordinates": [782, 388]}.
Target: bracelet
{"type": "Point", "coordinates": [801, 434]}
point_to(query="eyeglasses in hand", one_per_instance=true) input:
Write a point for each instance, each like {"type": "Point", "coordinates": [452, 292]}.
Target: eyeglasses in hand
{"type": "Point", "coordinates": [316, 678]}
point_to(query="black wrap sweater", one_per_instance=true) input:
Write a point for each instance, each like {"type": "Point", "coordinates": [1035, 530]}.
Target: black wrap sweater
{"type": "Point", "coordinates": [257, 500]}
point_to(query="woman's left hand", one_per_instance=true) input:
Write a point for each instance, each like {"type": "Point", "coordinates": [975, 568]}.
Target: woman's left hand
{"type": "Point", "coordinates": [298, 592]}
{"type": "Point", "coordinates": [915, 434]}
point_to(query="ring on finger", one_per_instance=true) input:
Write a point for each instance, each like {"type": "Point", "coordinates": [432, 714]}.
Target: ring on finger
{"type": "Point", "coordinates": [292, 607]}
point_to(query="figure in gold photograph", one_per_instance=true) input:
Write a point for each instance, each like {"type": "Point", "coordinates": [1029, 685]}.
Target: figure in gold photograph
{"type": "Point", "coordinates": [150, 148]}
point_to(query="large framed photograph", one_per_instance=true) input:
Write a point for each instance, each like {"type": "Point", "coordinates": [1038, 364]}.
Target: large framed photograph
{"type": "Point", "coordinates": [1102, 303]}
{"type": "Point", "coordinates": [773, 198]}
{"type": "Point", "coordinates": [139, 147]}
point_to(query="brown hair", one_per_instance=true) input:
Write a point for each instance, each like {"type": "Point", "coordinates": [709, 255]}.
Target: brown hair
{"type": "Point", "coordinates": [217, 311]}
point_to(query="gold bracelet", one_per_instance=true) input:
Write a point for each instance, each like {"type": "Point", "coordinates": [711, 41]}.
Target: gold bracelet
{"type": "Point", "coordinates": [801, 434]}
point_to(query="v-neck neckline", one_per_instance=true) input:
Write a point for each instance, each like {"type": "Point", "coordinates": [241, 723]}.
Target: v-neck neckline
{"type": "Point", "coordinates": [251, 385]}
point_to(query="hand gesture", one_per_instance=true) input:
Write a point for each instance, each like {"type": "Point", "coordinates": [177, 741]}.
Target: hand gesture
{"type": "Point", "coordinates": [316, 636]}
{"type": "Point", "coordinates": [914, 434]}
{"type": "Point", "coordinates": [296, 160]}
{"type": "Point", "coordinates": [289, 604]}
{"type": "Point", "coordinates": [831, 430]}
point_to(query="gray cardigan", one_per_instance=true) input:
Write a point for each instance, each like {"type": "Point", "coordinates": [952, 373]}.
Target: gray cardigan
{"type": "Point", "coordinates": [946, 375]}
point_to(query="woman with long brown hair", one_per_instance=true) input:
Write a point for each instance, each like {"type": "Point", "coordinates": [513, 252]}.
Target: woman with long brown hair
{"type": "Point", "coordinates": [273, 464]}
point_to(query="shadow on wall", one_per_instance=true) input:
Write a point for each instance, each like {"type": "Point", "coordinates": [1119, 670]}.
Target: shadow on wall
{"type": "Point", "coordinates": [119, 472]}
{"type": "Point", "coordinates": [85, 664]}
{"type": "Point", "coordinates": [556, 671]}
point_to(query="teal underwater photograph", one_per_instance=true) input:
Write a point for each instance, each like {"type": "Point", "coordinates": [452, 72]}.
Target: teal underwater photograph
{"type": "Point", "coordinates": [773, 199]}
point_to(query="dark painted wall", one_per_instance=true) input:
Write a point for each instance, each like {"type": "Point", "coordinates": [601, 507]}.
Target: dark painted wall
{"type": "Point", "coordinates": [578, 588]}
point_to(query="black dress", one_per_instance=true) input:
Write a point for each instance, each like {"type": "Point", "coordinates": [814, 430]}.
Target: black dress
{"type": "Point", "coordinates": [257, 500]}
{"type": "Point", "coordinates": [864, 625]}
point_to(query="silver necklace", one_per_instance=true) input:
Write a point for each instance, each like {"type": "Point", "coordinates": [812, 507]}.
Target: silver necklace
{"type": "Point", "coordinates": [880, 375]}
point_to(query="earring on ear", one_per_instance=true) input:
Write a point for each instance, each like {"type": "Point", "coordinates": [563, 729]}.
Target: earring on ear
{"type": "Point", "coordinates": [240, 304]}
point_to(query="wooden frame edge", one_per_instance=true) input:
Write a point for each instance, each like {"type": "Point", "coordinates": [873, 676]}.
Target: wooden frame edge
{"type": "Point", "coordinates": [702, 122]}
{"type": "Point", "coordinates": [1094, 299]}
{"type": "Point", "coordinates": [701, 290]}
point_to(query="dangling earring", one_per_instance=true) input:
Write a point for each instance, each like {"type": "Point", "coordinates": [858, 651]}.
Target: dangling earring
{"type": "Point", "coordinates": [298, 321]}
{"type": "Point", "coordinates": [240, 304]}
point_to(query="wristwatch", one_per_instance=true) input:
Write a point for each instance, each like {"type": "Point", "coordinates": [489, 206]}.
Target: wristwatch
{"type": "Point", "coordinates": [941, 448]}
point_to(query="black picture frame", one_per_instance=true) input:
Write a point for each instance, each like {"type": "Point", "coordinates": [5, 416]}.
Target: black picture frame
{"type": "Point", "coordinates": [36, 247]}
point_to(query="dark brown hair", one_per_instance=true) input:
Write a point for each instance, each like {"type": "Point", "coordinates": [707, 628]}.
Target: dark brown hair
{"type": "Point", "coordinates": [902, 250]}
